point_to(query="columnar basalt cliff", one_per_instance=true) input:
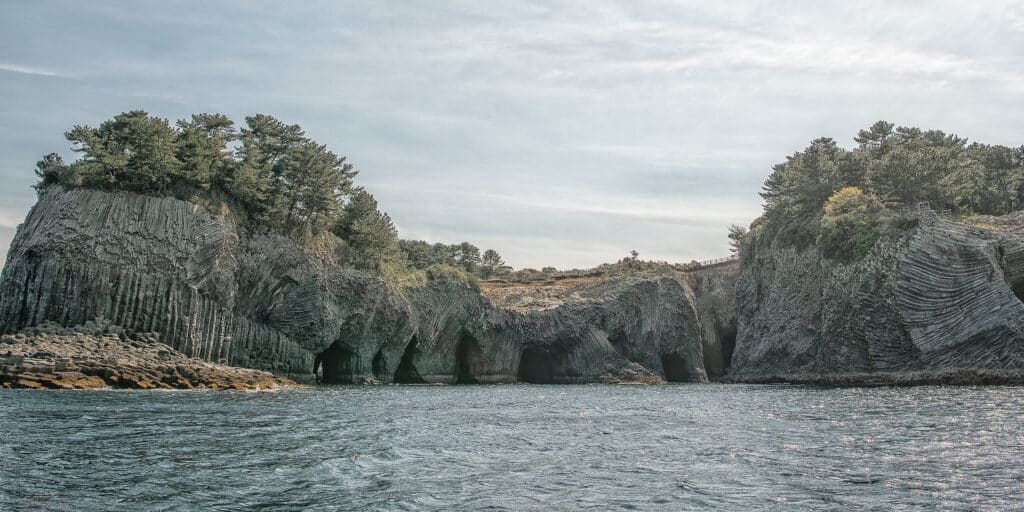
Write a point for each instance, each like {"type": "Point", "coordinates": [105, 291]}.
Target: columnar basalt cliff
{"type": "Point", "coordinates": [216, 291]}
{"type": "Point", "coordinates": [941, 297]}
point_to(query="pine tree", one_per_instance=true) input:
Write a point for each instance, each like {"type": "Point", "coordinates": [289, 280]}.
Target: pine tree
{"type": "Point", "coordinates": [491, 263]}
{"type": "Point", "coordinates": [202, 148]}
{"type": "Point", "coordinates": [49, 171]}
{"type": "Point", "coordinates": [132, 151]}
{"type": "Point", "coordinates": [369, 232]}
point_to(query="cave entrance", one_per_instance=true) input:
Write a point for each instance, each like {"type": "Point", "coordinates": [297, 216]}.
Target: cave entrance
{"type": "Point", "coordinates": [1017, 285]}
{"type": "Point", "coordinates": [542, 366]}
{"type": "Point", "coordinates": [727, 338]}
{"type": "Point", "coordinates": [675, 367]}
{"type": "Point", "coordinates": [406, 373]}
{"type": "Point", "coordinates": [340, 364]}
{"type": "Point", "coordinates": [468, 359]}
{"type": "Point", "coordinates": [380, 366]}
{"type": "Point", "coordinates": [618, 340]}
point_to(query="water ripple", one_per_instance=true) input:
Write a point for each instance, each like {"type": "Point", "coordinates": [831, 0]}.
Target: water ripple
{"type": "Point", "coordinates": [522, 447]}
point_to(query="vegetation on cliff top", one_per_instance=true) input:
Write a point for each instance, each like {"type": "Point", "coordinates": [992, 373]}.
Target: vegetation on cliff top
{"type": "Point", "coordinates": [842, 199]}
{"type": "Point", "coordinates": [272, 173]}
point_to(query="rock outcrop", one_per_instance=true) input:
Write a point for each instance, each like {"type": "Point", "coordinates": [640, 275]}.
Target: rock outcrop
{"type": "Point", "coordinates": [943, 298]}
{"type": "Point", "coordinates": [97, 355]}
{"type": "Point", "coordinates": [219, 292]}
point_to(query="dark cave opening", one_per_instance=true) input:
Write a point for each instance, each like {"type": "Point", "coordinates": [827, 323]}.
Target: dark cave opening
{"type": "Point", "coordinates": [618, 340]}
{"type": "Point", "coordinates": [1017, 285]}
{"type": "Point", "coordinates": [406, 373]}
{"type": "Point", "coordinates": [676, 369]}
{"type": "Point", "coordinates": [467, 359]}
{"type": "Point", "coordinates": [379, 366]}
{"type": "Point", "coordinates": [727, 337]}
{"type": "Point", "coordinates": [632, 349]}
{"type": "Point", "coordinates": [541, 366]}
{"type": "Point", "coordinates": [339, 365]}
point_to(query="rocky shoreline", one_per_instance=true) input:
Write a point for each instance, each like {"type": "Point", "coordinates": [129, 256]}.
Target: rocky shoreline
{"type": "Point", "coordinates": [950, 377]}
{"type": "Point", "coordinates": [100, 356]}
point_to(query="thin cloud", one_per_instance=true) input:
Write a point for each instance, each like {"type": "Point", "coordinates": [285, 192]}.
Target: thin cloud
{"type": "Point", "coordinates": [26, 70]}
{"type": "Point", "coordinates": [719, 210]}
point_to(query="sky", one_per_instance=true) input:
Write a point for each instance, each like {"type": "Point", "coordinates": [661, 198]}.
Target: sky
{"type": "Point", "coordinates": [558, 133]}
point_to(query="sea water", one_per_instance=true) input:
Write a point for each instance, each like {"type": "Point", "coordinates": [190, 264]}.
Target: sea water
{"type": "Point", "coordinates": [515, 447]}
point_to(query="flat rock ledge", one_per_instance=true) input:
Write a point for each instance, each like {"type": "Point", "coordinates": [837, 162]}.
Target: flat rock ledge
{"type": "Point", "coordinates": [950, 377]}
{"type": "Point", "coordinates": [98, 356]}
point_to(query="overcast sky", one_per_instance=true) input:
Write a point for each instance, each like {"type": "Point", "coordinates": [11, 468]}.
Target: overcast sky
{"type": "Point", "coordinates": [560, 134]}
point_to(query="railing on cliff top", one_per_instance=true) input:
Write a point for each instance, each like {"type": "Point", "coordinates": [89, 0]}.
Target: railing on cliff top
{"type": "Point", "coordinates": [923, 208]}
{"type": "Point", "coordinates": [716, 261]}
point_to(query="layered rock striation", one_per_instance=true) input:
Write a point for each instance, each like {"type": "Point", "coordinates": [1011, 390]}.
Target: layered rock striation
{"type": "Point", "coordinates": [219, 292]}
{"type": "Point", "coordinates": [943, 298]}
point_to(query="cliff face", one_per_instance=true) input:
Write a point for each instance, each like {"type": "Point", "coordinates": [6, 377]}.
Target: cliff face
{"type": "Point", "coordinates": [217, 292]}
{"type": "Point", "coordinates": [939, 297]}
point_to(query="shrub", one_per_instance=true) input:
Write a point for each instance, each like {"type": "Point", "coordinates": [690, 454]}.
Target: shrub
{"type": "Point", "coordinates": [850, 226]}
{"type": "Point", "coordinates": [441, 271]}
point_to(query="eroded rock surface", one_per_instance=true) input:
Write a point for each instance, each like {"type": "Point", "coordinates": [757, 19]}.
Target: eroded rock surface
{"type": "Point", "coordinates": [939, 298]}
{"type": "Point", "coordinates": [216, 291]}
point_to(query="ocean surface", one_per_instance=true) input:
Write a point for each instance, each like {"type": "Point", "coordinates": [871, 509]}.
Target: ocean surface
{"type": "Point", "coordinates": [515, 447]}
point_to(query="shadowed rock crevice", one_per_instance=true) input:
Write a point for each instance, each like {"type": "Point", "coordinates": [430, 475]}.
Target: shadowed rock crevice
{"type": "Point", "coordinates": [1017, 286]}
{"type": "Point", "coordinates": [468, 359]}
{"type": "Point", "coordinates": [675, 367]}
{"type": "Point", "coordinates": [406, 373]}
{"type": "Point", "coordinates": [543, 366]}
{"type": "Point", "coordinates": [340, 365]}
{"type": "Point", "coordinates": [32, 261]}
{"type": "Point", "coordinates": [380, 366]}
{"type": "Point", "coordinates": [633, 350]}
{"type": "Point", "coordinates": [727, 337]}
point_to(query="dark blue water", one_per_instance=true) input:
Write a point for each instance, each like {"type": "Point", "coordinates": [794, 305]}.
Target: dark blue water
{"type": "Point", "coordinates": [515, 447]}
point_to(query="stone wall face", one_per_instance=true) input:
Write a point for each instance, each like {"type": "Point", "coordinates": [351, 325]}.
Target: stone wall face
{"type": "Point", "coordinates": [938, 297]}
{"type": "Point", "coordinates": [149, 264]}
{"type": "Point", "coordinates": [216, 291]}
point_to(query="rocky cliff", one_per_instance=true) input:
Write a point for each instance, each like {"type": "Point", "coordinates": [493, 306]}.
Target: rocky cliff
{"type": "Point", "coordinates": [218, 292]}
{"type": "Point", "coordinates": [939, 297]}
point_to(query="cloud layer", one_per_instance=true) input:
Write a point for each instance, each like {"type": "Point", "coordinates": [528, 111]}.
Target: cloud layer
{"type": "Point", "coordinates": [562, 134]}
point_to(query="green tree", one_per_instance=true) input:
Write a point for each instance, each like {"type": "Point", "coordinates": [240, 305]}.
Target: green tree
{"type": "Point", "coordinates": [850, 226]}
{"type": "Point", "coordinates": [491, 263]}
{"type": "Point", "coordinates": [915, 167]}
{"type": "Point", "coordinates": [875, 140]}
{"type": "Point", "coordinates": [361, 205]}
{"type": "Point", "coordinates": [996, 175]}
{"type": "Point", "coordinates": [421, 254]}
{"type": "Point", "coordinates": [370, 233]}
{"type": "Point", "coordinates": [897, 166]}
{"type": "Point", "coordinates": [465, 255]}
{"type": "Point", "coordinates": [797, 189]}
{"type": "Point", "coordinates": [49, 170]}
{"type": "Point", "coordinates": [261, 176]}
{"type": "Point", "coordinates": [374, 240]}
{"type": "Point", "coordinates": [737, 237]}
{"type": "Point", "coordinates": [316, 181]}
{"type": "Point", "coordinates": [806, 180]}
{"type": "Point", "coordinates": [898, 176]}
{"type": "Point", "coordinates": [202, 148]}
{"type": "Point", "coordinates": [133, 151]}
